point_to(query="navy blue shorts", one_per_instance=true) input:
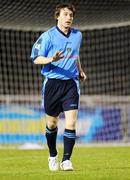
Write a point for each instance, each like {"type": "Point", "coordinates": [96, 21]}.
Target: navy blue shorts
{"type": "Point", "coordinates": [59, 96]}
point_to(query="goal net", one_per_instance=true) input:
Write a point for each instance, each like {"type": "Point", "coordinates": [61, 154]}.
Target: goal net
{"type": "Point", "coordinates": [104, 114]}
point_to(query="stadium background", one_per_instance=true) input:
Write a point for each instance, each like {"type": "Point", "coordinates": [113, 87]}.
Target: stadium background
{"type": "Point", "coordinates": [104, 115]}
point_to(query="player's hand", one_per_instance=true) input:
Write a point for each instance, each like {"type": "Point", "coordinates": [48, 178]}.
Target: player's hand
{"type": "Point", "coordinates": [57, 56]}
{"type": "Point", "coordinates": [82, 76]}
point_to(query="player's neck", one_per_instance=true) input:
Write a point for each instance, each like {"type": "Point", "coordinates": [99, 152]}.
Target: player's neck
{"type": "Point", "coordinates": [65, 30]}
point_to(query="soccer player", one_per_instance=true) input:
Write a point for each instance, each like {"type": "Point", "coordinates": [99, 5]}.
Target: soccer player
{"type": "Point", "coordinates": [58, 50]}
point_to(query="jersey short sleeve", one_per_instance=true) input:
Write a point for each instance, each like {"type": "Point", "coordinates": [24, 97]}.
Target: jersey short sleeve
{"type": "Point", "coordinates": [80, 41]}
{"type": "Point", "coordinates": [41, 46]}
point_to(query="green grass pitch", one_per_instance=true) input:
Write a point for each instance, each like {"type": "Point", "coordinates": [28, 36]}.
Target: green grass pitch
{"type": "Point", "coordinates": [90, 163]}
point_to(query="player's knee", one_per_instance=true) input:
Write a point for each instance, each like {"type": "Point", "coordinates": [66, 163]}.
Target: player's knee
{"type": "Point", "coordinates": [52, 123]}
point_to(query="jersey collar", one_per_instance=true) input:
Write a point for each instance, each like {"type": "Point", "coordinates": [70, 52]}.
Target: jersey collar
{"type": "Point", "coordinates": [66, 35]}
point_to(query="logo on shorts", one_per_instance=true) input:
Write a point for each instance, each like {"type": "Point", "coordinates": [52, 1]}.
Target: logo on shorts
{"type": "Point", "coordinates": [73, 105]}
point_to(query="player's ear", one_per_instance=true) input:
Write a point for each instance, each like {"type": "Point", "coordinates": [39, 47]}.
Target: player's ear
{"type": "Point", "coordinates": [57, 13]}
{"type": "Point", "coordinates": [57, 18]}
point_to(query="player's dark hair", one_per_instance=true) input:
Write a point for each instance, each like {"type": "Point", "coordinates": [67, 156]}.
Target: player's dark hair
{"type": "Point", "coordinates": [71, 7]}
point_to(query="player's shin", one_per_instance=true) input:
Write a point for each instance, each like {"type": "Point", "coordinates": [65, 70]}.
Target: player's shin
{"type": "Point", "coordinates": [51, 135]}
{"type": "Point", "coordinates": [69, 141]}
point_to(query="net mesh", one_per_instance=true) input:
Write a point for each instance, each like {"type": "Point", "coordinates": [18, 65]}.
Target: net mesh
{"type": "Point", "coordinates": [105, 98]}
{"type": "Point", "coordinates": [39, 15]}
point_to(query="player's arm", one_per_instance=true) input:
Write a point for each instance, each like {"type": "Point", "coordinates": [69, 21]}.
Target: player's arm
{"type": "Point", "coordinates": [44, 60]}
{"type": "Point", "coordinates": [82, 75]}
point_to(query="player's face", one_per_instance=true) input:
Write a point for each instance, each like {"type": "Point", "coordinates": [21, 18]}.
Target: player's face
{"type": "Point", "coordinates": [65, 18]}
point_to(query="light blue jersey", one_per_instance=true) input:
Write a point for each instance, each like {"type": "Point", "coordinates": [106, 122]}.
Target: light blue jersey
{"type": "Point", "coordinates": [55, 40]}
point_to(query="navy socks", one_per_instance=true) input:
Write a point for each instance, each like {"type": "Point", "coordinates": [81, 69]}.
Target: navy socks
{"type": "Point", "coordinates": [51, 135]}
{"type": "Point", "coordinates": [69, 141]}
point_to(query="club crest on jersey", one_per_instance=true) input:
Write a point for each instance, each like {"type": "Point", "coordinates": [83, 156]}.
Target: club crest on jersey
{"type": "Point", "coordinates": [69, 49]}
